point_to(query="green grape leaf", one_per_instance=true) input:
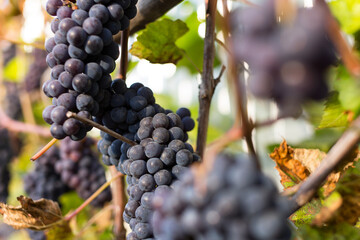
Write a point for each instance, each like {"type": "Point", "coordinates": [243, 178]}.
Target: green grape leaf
{"type": "Point", "coordinates": [61, 230]}
{"type": "Point", "coordinates": [348, 14]}
{"type": "Point", "coordinates": [156, 42]}
{"type": "Point", "coordinates": [334, 115]}
{"type": "Point", "coordinates": [307, 213]}
{"type": "Point", "coordinates": [15, 70]}
{"type": "Point", "coordinates": [332, 232]}
{"type": "Point", "coordinates": [349, 90]}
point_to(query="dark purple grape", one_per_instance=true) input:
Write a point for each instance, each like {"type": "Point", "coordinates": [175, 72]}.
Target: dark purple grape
{"type": "Point", "coordinates": [52, 6]}
{"type": "Point", "coordinates": [60, 52]}
{"type": "Point", "coordinates": [116, 12]}
{"type": "Point", "coordinates": [81, 83]}
{"type": "Point", "coordinates": [93, 45]}
{"type": "Point", "coordinates": [50, 44]}
{"type": "Point", "coordinates": [79, 16]}
{"type": "Point", "coordinates": [76, 36]}
{"type": "Point", "coordinates": [92, 26]}
{"type": "Point", "coordinates": [74, 66]}
{"type": "Point", "coordinates": [100, 12]}
{"type": "Point", "coordinates": [66, 24]}
{"type": "Point", "coordinates": [57, 131]}
{"type": "Point", "coordinates": [71, 126]}
{"type": "Point", "coordinates": [76, 52]}
{"type": "Point", "coordinates": [58, 114]}
{"type": "Point", "coordinates": [64, 12]}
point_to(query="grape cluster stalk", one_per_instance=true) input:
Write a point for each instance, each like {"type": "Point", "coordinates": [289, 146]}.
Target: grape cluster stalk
{"type": "Point", "coordinates": [81, 56]}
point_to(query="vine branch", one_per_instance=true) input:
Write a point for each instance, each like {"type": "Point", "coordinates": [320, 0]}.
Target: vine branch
{"type": "Point", "coordinates": [17, 126]}
{"type": "Point", "coordinates": [124, 54]}
{"type": "Point", "coordinates": [238, 81]}
{"type": "Point", "coordinates": [208, 84]}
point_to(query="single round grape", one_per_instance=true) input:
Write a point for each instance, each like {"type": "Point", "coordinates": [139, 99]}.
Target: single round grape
{"type": "Point", "coordinates": [84, 102]}
{"type": "Point", "coordinates": [93, 70]}
{"type": "Point", "coordinates": [46, 114]}
{"type": "Point", "coordinates": [56, 71]}
{"type": "Point", "coordinates": [79, 16]}
{"type": "Point", "coordinates": [174, 120]}
{"type": "Point", "coordinates": [188, 123]}
{"type": "Point", "coordinates": [60, 37]}
{"type": "Point", "coordinates": [100, 12]}
{"type": "Point", "coordinates": [143, 214]}
{"type": "Point", "coordinates": [58, 114]}
{"type": "Point", "coordinates": [163, 177]}
{"type": "Point", "coordinates": [71, 126]}
{"type": "Point", "coordinates": [116, 12]}
{"type": "Point", "coordinates": [137, 103]}
{"type": "Point", "coordinates": [67, 100]}
{"type": "Point", "coordinates": [168, 157]}
{"type": "Point", "coordinates": [153, 165]}
{"type": "Point", "coordinates": [66, 24]}
{"type": "Point", "coordinates": [176, 133]}
{"type": "Point", "coordinates": [74, 66]}
{"type": "Point", "coordinates": [55, 89]}
{"type": "Point", "coordinates": [50, 60]}
{"type": "Point", "coordinates": [76, 36]}
{"type": "Point", "coordinates": [114, 26]}
{"type": "Point", "coordinates": [161, 135]}
{"type": "Point", "coordinates": [184, 157]}
{"type": "Point", "coordinates": [178, 171]}
{"type": "Point", "coordinates": [50, 44]}
{"type": "Point", "coordinates": [131, 12]}
{"type": "Point", "coordinates": [136, 152]}
{"type": "Point", "coordinates": [135, 193]}
{"type": "Point", "coordinates": [52, 6]}
{"type": "Point", "coordinates": [143, 230]}
{"type": "Point", "coordinates": [57, 131]}
{"type": "Point", "coordinates": [93, 45]}
{"type": "Point", "coordinates": [131, 207]}
{"type": "Point", "coordinates": [125, 22]}
{"type": "Point", "coordinates": [65, 80]}
{"type": "Point", "coordinates": [81, 83]}
{"type": "Point", "coordinates": [60, 52]}
{"type": "Point", "coordinates": [64, 12]}
{"type": "Point", "coordinates": [176, 145]}
{"type": "Point", "coordinates": [153, 149]}
{"type": "Point", "coordinates": [147, 183]}
{"type": "Point", "coordinates": [85, 4]}
{"type": "Point", "coordinates": [138, 168]}
{"type": "Point", "coordinates": [183, 112]}
{"type": "Point", "coordinates": [92, 26]}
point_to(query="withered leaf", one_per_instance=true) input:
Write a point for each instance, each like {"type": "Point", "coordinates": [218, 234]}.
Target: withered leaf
{"type": "Point", "coordinates": [36, 215]}
{"type": "Point", "coordinates": [291, 171]}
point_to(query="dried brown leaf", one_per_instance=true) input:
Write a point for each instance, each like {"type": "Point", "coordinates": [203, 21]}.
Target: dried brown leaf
{"type": "Point", "coordinates": [290, 170]}
{"type": "Point", "coordinates": [36, 215]}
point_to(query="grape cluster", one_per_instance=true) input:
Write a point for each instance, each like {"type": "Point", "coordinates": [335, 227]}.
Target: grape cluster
{"type": "Point", "coordinates": [154, 165]}
{"type": "Point", "coordinates": [6, 155]}
{"type": "Point", "coordinates": [36, 69]}
{"type": "Point", "coordinates": [82, 55]}
{"type": "Point", "coordinates": [128, 106]}
{"type": "Point", "coordinates": [11, 103]}
{"type": "Point", "coordinates": [288, 61]}
{"type": "Point", "coordinates": [80, 169]}
{"type": "Point", "coordinates": [238, 202]}
{"type": "Point", "coordinates": [44, 182]}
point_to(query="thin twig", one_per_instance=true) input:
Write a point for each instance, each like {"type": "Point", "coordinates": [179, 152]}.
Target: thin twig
{"type": "Point", "coordinates": [192, 62]}
{"type": "Point", "coordinates": [343, 146]}
{"type": "Point", "coordinates": [207, 85]}
{"type": "Point", "coordinates": [69, 216]}
{"type": "Point", "coordinates": [44, 149]}
{"type": "Point", "coordinates": [16, 126]}
{"type": "Point", "coordinates": [101, 127]}
{"type": "Point", "coordinates": [17, 42]}
{"type": "Point", "coordinates": [349, 58]}
{"type": "Point", "coordinates": [124, 53]}
{"type": "Point", "coordinates": [239, 85]}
